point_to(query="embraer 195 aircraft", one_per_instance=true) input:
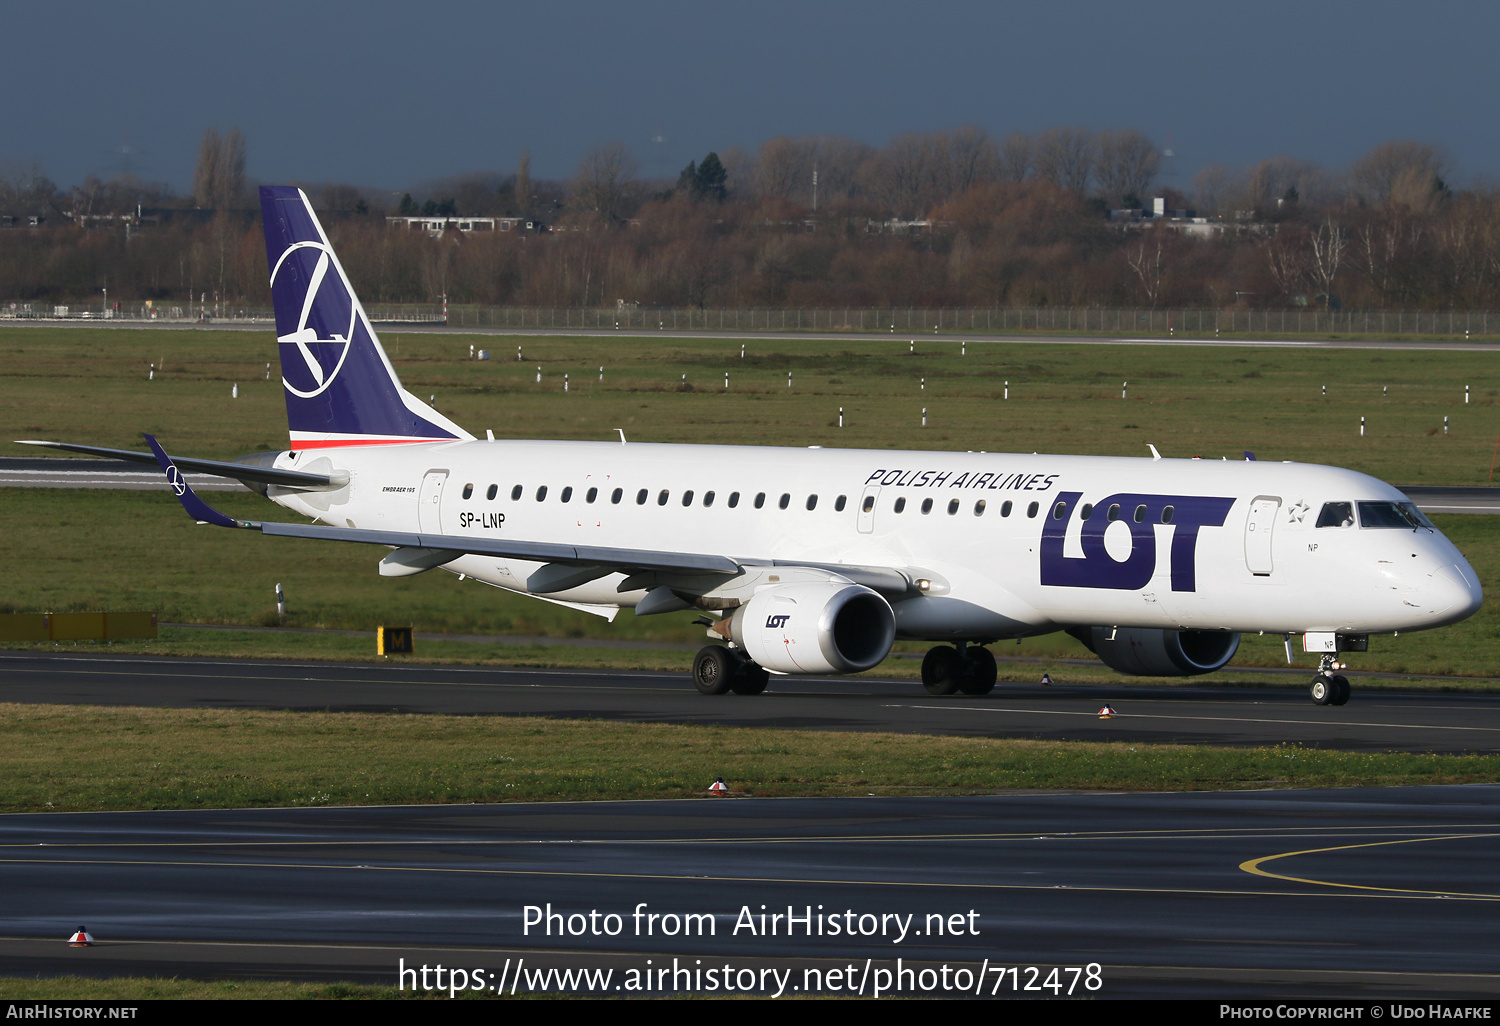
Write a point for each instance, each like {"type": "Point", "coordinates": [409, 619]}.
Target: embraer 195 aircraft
{"type": "Point", "coordinates": [814, 561]}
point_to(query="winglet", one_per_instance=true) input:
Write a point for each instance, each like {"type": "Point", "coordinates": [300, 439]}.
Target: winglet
{"type": "Point", "coordinates": [196, 507]}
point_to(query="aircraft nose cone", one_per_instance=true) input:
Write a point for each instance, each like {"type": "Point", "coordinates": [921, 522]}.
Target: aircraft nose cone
{"type": "Point", "coordinates": [1455, 592]}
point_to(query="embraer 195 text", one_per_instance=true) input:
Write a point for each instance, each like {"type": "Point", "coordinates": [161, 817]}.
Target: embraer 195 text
{"type": "Point", "coordinates": [814, 561]}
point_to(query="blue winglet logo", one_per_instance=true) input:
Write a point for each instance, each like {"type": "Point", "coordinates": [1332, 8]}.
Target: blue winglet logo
{"type": "Point", "coordinates": [196, 507]}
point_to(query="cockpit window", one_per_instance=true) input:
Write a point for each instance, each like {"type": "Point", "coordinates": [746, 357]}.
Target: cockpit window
{"type": "Point", "coordinates": [1336, 514]}
{"type": "Point", "coordinates": [1392, 514]}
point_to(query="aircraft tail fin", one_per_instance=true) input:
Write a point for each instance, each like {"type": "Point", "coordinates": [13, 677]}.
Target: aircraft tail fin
{"type": "Point", "coordinates": [340, 387]}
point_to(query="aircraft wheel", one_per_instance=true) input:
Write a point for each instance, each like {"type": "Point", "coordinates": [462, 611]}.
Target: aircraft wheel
{"type": "Point", "coordinates": [980, 675]}
{"type": "Point", "coordinates": [1323, 689]}
{"type": "Point", "coordinates": [1341, 690]}
{"type": "Point", "coordinates": [750, 679]}
{"type": "Point", "coordinates": [713, 670]}
{"type": "Point", "coordinates": [942, 670]}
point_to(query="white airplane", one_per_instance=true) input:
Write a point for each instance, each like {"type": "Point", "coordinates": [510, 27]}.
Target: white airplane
{"type": "Point", "coordinates": [814, 561]}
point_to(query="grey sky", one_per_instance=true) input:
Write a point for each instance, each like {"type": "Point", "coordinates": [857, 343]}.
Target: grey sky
{"type": "Point", "coordinates": [390, 94]}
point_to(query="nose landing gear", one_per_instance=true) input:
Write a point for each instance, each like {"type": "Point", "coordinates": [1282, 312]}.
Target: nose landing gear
{"type": "Point", "coordinates": [1329, 688]}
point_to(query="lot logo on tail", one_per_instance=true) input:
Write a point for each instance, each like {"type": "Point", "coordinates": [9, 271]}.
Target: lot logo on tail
{"type": "Point", "coordinates": [1139, 514]}
{"type": "Point", "coordinates": [313, 353]}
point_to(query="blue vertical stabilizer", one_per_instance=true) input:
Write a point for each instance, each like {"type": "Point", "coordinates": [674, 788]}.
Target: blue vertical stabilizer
{"type": "Point", "coordinates": [340, 387]}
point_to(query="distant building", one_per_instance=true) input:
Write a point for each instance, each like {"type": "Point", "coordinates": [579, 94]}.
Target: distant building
{"type": "Point", "coordinates": [436, 225]}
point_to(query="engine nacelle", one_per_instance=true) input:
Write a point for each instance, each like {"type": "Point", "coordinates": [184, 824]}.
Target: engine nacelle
{"type": "Point", "coordinates": [822, 627]}
{"type": "Point", "coordinates": [1147, 652]}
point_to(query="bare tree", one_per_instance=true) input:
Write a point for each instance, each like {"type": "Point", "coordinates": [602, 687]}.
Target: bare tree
{"type": "Point", "coordinates": [1124, 165]}
{"type": "Point", "coordinates": [1377, 175]}
{"type": "Point", "coordinates": [219, 177]}
{"type": "Point", "coordinates": [963, 158]}
{"type": "Point", "coordinates": [523, 185]}
{"type": "Point", "coordinates": [783, 170]}
{"type": "Point", "coordinates": [1145, 259]}
{"type": "Point", "coordinates": [1287, 262]}
{"type": "Point", "coordinates": [1215, 189]}
{"type": "Point", "coordinates": [1326, 241]}
{"type": "Point", "coordinates": [900, 175]}
{"type": "Point", "coordinates": [1016, 158]}
{"type": "Point", "coordinates": [1065, 157]}
{"type": "Point", "coordinates": [603, 181]}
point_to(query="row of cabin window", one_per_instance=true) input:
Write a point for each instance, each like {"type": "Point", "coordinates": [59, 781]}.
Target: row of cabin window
{"type": "Point", "coordinates": [1086, 512]}
{"type": "Point", "coordinates": [899, 506]}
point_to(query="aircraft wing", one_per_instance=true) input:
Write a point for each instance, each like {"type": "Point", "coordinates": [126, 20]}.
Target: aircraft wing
{"type": "Point", "coordinates": [245, 472]}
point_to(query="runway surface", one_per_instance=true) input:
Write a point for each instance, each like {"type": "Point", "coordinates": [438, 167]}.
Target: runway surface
{"type": "Point", "coordinates": [1194, 714]}
{"type": "Point", "coordinates": [1371, 892]}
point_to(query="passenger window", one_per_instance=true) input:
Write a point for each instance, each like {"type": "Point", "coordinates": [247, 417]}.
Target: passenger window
{"type": "Point", "coordinates": [640, 497]}
{"type": "Point", "coordinates": [812, 502]}
{"type": "Point", "coordinates": [1166, 514]}
{"type": "Point", "coordinates": [468, 490]}
{"type": "Point", "coordinates": [838, 504]}
{"type": "Point", "coordinates": [760, 499]}
{"type": "Point", "coordinates": [616, 496]}
{"type": "Point", "coordinates": [952, 507]}
{"type": "Point", "coordinates": [926, 506]}
{"type": "Point", "coordinates": [1005, 508]}
{"type": "Point", "coordinates": [979, 508]}
{"type": "Point", "coordinates": [591, 495]}
{"type": "Point", "coordinates": [1059, 510]}
{"type": "Point", "coordinates": [661, 498]}
{"type": "Point", "coordinates": [734, 499]}
{"type": "Point", "coordinates": [687, 497]}
{"type": "Point", "coordinates": [869, 503]}
{"type": "Point", "coordinates": [1336, 514]}
{"type": "Point", "coordinates": [491, 493]}
{"type": "Point", "coordinates": [900, 505]}
{"type": "Point", "coordinates": [1114, 512]}
{"type": "Point", "coordinates": [786, 500]}
{"type": "Point", "coordinates": [515, 494]}
{"type": "Point", "coordinates": [567, 493]}
{"type": "Point", "coordinates": [1031, 510]}
{"type": "Point", "coordinates": [541, 493]}
{"type": "Point", "coordinates": [1086, 511]}
{"type": "Point", "coordinates": [708, 499]}
{"type": "Point", "coordinates": [1140, 514]}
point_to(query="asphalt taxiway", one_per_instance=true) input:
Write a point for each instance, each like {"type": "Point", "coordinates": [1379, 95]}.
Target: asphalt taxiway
{"type": "Point", "coordinates": [1371, 892]}
{"type": "Point", "coordinates": [1374, 720]}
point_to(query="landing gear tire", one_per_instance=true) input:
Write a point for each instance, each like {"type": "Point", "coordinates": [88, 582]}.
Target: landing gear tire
{"type": "Point", "coordinates": [750, 679]}
{"type": "Point", "coordinates": [942, 670]}
{"type": "Point", "coordinates": [980, 675]}
{"type": "Point", "coordinates": [713, 670]}
{"type": "Point", "coordinates": [1324, 689]}
{"type": "Point", "coordinates": [1341, 690]}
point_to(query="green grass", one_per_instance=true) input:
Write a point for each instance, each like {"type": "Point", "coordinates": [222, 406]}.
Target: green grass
{"type": "Point", "coordinates": [90, 385]}
{"type": "Point", "coordinates": [80, 758]}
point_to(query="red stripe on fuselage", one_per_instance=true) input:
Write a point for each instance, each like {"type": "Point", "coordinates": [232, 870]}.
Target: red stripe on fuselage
{"type": "Point", "coordinates": [339, 443]}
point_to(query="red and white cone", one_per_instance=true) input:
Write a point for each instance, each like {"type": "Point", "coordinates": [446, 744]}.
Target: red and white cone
{"type": "Point", "coordinates": [1106, 713]}
{"type": "Point", "coordinates": [81, 939]}
{"type": "Point", "coordinates": [1046, 680]}
{"type": "Point", "coordinates": [718, 788]}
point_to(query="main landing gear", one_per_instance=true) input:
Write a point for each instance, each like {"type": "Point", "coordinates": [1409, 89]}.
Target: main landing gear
{"type": "Point", "coordinates": [1329, 688]}
{"type": "Point", "coordinates": [717, 670]}
{"type": "Point", "coordinates": [966, 668]}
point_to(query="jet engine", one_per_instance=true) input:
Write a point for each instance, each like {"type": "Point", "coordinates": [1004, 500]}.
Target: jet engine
{"type": "Point", "coordinates": [1147, 652]}
{"type": "Point", "coordinates": [824, 627]}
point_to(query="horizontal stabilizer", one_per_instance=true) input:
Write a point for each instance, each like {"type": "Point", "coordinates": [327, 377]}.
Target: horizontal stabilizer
{"type": "Point", "coordinates": [239, 471]}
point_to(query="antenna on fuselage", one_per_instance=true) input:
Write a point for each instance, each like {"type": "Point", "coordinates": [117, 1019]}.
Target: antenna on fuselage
{"type": "Point", "coordinates": [1154, 454]}
{"type": "Point", "coordinates": [622, 435]}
